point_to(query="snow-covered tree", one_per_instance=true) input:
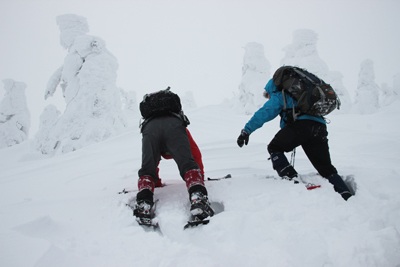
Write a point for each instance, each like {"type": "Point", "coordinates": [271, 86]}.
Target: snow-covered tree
{"type": "Point", "coordinates": [15, 118]}
{"type": "Point", "coordinates": [304, 54]}
{"type": "Point", "coordinates": [390, 94]}
{"type": "Point", "coordinates": [367, 94]}
{"type": "Point", "coordinates": [387, 96]}
{"type": "Point", "coordinates": [130, 106]}
{"type": "Point", "coordinates": [335, 79]}
{"type": "Point", "coordinates": [255, 75]}
{"type": "Point", "coordinates": [187, 101]}
{"type": "Point", "coordinates": [88, 82]}
{"type": "Point", "coordinates": [129, 100]}
{"type": "Point", "coordinates": [396, 85]}
{"type": "Point", "coordinates": [48, 119]}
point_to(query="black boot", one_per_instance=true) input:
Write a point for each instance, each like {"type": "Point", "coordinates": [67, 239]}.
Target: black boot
{"type": "Point", "coordinates": [282, 166]}
{"type": "Point", "coordinates": [339, 186]}
{"type": "Point", "coordinates": [143, 205]}
{"type": "Point", "coordinates": [200, 206]}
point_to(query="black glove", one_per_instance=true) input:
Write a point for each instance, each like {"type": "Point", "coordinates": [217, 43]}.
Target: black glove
{"type": "Point", "coordinates": [243, 138]}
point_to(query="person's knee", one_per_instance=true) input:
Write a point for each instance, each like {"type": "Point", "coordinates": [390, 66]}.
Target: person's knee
{"type": "Point", "coordinates": [274, 147]}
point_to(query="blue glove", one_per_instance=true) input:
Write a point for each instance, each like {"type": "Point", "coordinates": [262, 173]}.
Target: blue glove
{"type": "Point", "coordinates": [243, 138]}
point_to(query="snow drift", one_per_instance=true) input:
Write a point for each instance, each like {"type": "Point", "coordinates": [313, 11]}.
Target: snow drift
{"type": "Point", "coordinates": [66, 210]}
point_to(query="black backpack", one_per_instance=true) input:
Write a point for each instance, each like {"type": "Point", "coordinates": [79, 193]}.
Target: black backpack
{"type": "Point", "coordinates": [160, 103]}
{"type": "Point", "coordinates": [314, 96]}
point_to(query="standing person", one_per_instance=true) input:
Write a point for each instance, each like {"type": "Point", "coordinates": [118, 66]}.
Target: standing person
{"type": "Point", "coordinates": [164, 132]}
{"type": "Point", "coordinates": [307, 131]}
{"type": "Point", "coordinates": [195, 153]}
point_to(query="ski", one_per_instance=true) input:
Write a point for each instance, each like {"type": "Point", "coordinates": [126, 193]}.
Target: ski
{"type": "Point", "coordinates": [195, 222]}
{"type": "Point", "coordinates": [309, 186]}
{"type": "Point", "coordinates": [124, 191]}
{"type": "Point", "coordinates": [220, 178]}
{"type": "Point", "coordinates": [149, 225]}
{"type": "Point", "coordinates": [127, 191]}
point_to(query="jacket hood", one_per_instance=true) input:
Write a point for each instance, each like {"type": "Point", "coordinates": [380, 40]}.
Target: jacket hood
{"type": "Point", "coordinates": [270, 87]}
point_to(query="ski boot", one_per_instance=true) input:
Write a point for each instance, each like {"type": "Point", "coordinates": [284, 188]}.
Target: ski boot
{"type": "Point", "coordinates": [200, 210]}
{"type": "Point", "coordinates": [142, 211]}
{"type": "Point", "coordinates": [200, 206]}
{"type": "Point", "coordinates": [340, 186]}
{"type": "Point", "coordinates": [295, 179]}
{"type": "Point", "coordinates": [283, 167]}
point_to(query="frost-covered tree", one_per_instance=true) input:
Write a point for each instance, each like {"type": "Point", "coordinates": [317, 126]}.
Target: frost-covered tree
{"type": "Point", "coordinates": [304, 54]}
{"type": "Point", "coordinates": [88, 81]}
{"type": "Point", "coordinates": [367, 94]}
{"type": "Point", "coordinates": [130, 107]}
{"type": "Point", "coordinates": [15, 118]}
{"type": "Point", "coordinates": [335, 79]}
{"type": "Point", "coordinates": [396, 85]}
{"type": "Point", "coordinates": [129, 100]}
{"type": "Point", "coordinates": [187, 101]}
{"type": "Point", "coordinates": [390, 94]}
{"type": "Point", "coordinates": [48, 119]}
{"type": "Point", "coordinates": [255, 75]}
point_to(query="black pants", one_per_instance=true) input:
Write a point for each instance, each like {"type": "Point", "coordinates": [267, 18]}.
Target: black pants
{"type": "Point", "coordinates": [165, 134]}
{"type": "Point", "coordinates": [312, 136]}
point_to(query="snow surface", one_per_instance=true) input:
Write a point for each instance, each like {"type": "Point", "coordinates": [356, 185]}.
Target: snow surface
{"type": "Point", "coordinates": [66, 211]}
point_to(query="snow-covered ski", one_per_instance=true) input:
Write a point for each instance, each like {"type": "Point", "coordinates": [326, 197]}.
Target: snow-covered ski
{"type": "Point", "coordinates": [149, 226]}
{"type": "Point", "coordinates": [193, 221]}
{"type": "Point", "coordinates": [220, 178]}
{"type": "Point", "coordinates": [308, 185]}
{"type": "Point", "coordinates": [310, 181]}
{"type": "Point", "coordinates": [127, 191]}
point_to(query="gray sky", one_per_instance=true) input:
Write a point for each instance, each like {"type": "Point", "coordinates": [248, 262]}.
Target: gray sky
{"type": "Point", "coordinates": [195, 45]}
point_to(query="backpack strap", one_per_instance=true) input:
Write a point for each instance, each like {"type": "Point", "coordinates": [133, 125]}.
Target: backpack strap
{"type": "Point", "coordinates": [284, 100]}
{"type": "Point", "coordinates": [285, 109]}
{"type": "Point", "coordinates": [181, 116]}
{"type": "Point", "coordinates": [308, 78]}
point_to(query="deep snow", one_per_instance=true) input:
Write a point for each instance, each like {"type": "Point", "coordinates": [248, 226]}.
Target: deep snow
{"type": "Point", "coordinates": [66, 210]}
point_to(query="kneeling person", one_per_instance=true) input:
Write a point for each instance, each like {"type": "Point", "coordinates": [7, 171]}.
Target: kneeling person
{"type": "Point", "coordinates": [164, 131]}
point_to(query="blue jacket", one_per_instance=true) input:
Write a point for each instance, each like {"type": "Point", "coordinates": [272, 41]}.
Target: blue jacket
{"type": "Point", "coordinates": [273, 107]}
